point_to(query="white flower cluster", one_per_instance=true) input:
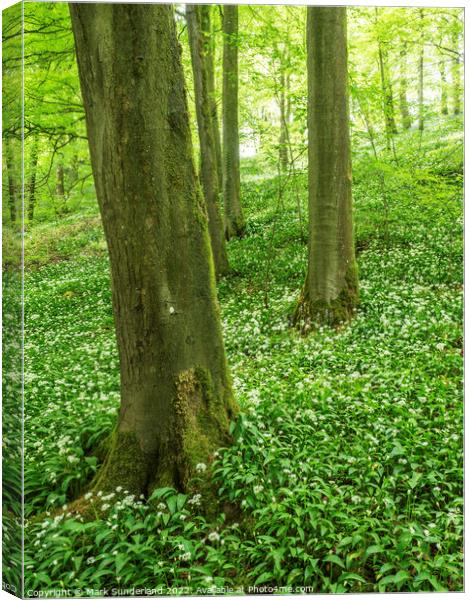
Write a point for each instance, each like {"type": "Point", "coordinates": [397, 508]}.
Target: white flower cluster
{"type": "Point", "coordinates": [196, 500]}
{"type": "Point", "coordinates": [63, 443]}
{"type": "Point", "coordinates": [185, 557]}
{"type": "Point", "coordinates": [213, 536]}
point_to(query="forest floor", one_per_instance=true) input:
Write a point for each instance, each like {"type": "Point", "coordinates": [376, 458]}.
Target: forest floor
{"type": "Point", "coordinates": [347, 459]}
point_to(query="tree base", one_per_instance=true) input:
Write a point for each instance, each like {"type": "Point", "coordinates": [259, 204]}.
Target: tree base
{"type": "Point", "coordinates": [200, 427]}
{"type": "Point", "coordinates": [222, 268]}
{"type": "Point", "coordinates": [235, 228]}
{"type": "Point", "coordinates": [310, 313]}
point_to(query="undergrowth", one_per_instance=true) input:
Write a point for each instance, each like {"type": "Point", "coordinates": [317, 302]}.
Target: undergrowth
{"type": "Point", "coordinates": [347, 459]}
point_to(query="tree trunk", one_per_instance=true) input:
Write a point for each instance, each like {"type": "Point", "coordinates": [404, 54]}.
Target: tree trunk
{"type": "Point", "coordinates": [387, 95]}
{"type": "Point", "coordinates": [32, 179]}
{"type": "Point", "coordinates": [234, 219]}
{"type": "Point", "coordinates": [60, 185]}
{"type": "Point", "coordinates": [421, 77]}
{"type": "Point", "coordinates": [208, 157]}
{"type": "Point", "coordinates": [73, 169]}
{"type": "Point", "coordinates": [442, 71]}
{"type": "Point", "coordinates": [404, 110]}
{"type": "Point", "coordinates": [206, 29]}
{"type": "Point", "coordinates": [12, 183]}
{"type": "Point", "coordinates": [176, 398]}
{"type": "Point", "coordinates": [456, 84]}
{"type": "Point", "coordinates": [364, 110]}
{"type": "Point", "coordinates": [330, 291]}
{"type": "Point", "coordinates": [284, 134]}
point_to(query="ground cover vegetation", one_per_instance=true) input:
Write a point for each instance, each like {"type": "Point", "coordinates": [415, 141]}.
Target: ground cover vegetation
{"type": "Point", "coordinates": [342, 468]}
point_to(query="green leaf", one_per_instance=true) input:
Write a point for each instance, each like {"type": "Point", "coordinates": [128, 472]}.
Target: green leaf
{"type": "Point", "coordinates": [374, 549]}
{"type": "Point", "coordinates": [180, 501]}
{"type": "Point", "coordinates": [401, 576]}
{"type": "Point", "coordinates": [160, 492]}
{"type": "Point", "coordinates": [427, 576]}
{"type": "Point", "coordinates": [351, 576]}
{"type": "Point", "coordinates": [386, 567]}
{"type": "Point", "coordinates": [102, 535]}
{"type": "Point", "coordinates": [413, 482]}
{"type": "Point", "coordinates": [263, 578]}
{"type": "Point", "coordinates": [171, 503]}
{"type": "Point", "coordinates": [121, 561]}
{"type": "Point", "coordinates": [385, 581]}
{"type": "Point", "coordinates": [334, 558]}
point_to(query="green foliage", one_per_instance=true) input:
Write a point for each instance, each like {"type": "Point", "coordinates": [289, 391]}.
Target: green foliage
{"type": "Point", "coordinates": [346, 466]}
{"type": "Point", "coordinates": [271, 56]}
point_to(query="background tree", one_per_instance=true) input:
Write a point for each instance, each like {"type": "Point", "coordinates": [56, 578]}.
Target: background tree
{"type": "Point", "coordinates": [284, 109]}
{"type": "Point", "coordinates": [53, 109]}
{"type": "Point", "coordinates": [387, 90]}
{"type": "Point", "coordinates": [205, 12]}
{"type": "Point", "coordinates": [456, 86]}
{"type": "Point", "coordinates": [14, 179]}
{"type": "Point", "coordinates": [330, 291]}
{"type": "Point", "coordinates": [60, 185]}
{"type": "Point", "coordinates": [32, 177]}
{"type": "Point", "coordinates": [421, 73]}
{"type": "Point", "coordinates": [207, 131]}
{"type": "Point", "coordinates": [404, 108]}
{"type": "Point", "coordinates": [176, 399]}
{"type": "Point", "coordinates": [234, 219]}
{"type": "Point", "coordinates": [442, 73]}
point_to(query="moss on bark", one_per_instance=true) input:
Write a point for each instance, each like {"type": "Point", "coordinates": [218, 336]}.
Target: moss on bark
{"type": "Point", "coordinates": [155, 222]}
{"type": "Point", "coordinates": [126, 465]}
{"type": "Point", "coordinates": [201, 425]}
{"type": "Point", "coordinates": [311, 312]}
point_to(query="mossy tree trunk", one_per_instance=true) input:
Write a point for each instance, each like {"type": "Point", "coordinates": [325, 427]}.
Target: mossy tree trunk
{"type": "Point", "coordinates": [176, 398]}
{"type": "Point", "coordinates": [32, 178]}
{"type": "Point", "coordinates": [208, 156]}
{"type": "Point", "coordinates": [330, 292]}
{"type": "Point", "coordinates": [209, 45]}
{"type": "Point", "coordinates": [234, 219]}
{"type": "Point", "coordinates": [403, 100]}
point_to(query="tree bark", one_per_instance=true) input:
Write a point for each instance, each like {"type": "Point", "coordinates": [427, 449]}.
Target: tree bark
{"type": "Point", "coordinates": [387, 95]}
{"type": "Point", "coordinates": [456, 84]}
{"type": "Point", "coordinates": [330, 292]}
{"type": "Point", "coordinates": [206, 29]}
{"type": "Point", "coordinates": [234, 219]}
{"type": "Point", "coordinates": [11, 164]}
{"type": "Point", "coordinates": [442, 71]}
{"type": "Point", "coordinates": [421, 76]}
{"type": "Point", "coordinates": [32, 178]}
{"type": "Point", "coordinates": [404, 109]}
{"type": "Point", "coordinates": [208, 157]}
{"type": "Point", "coordinates": [176, 398]}
{"type": "Point", "coordinates": [284, 118]}
{"type": "Point", "coordinates": [59, 183]}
